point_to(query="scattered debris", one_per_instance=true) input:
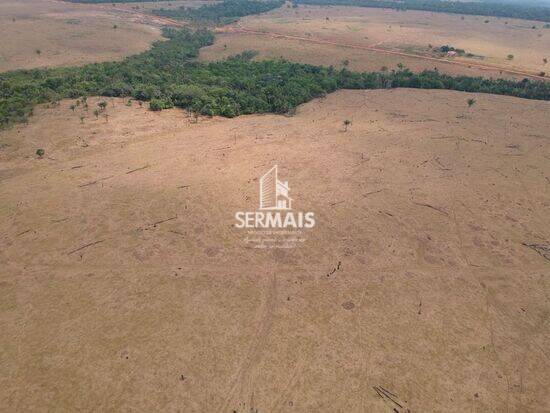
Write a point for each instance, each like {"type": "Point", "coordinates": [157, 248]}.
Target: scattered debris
{"type": "Point", "coordinates": [163, 221]}
{"type": "Point", "coordinates": [386, 395]}
{"type": "Point", "coordinates": [542, 250]}
{"type": "Point", "coordinates": [373, 192]}
{"type": "Point", "coordinates": [56, 221]}
{"type": "Point", "coordinates": [95, 182]}
{"type": "Point", "coordinates": [85, 246]}
{"type": "Point", "coordinates": [138, 169]}
{"type": "Point", "coordinates": [441, 166]}
{"type": "Point", "coordinates": [335, 269]}
{"type": "Point", "coordinates": [432, 207]}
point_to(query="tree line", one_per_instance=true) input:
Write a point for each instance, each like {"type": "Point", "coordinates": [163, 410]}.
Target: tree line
{"type": "Point", "coordinates": [513, 10]}
{"type": "Point", "coordinates": [224, 12]}
{"type": "Point", "coordinates": [168, 75]}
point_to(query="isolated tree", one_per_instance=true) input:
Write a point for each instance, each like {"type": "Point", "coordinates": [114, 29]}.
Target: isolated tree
{"type": "Point", "coordinates": [347, 122]}
{"type": "Point", "coordinates": [471, 102]}
{"type": "Point", "coordinates": [115, 26]}
{"type": "Point", "coordinates": [81, 118]}
{"type": "Point", "coordinates": [510, 57]}
{"type": "Point", "coordinates": [345, 62]}
{"type": "Point", "coordinates": [96, 113]}
{"type": "Point", "coordinates": [73, 107]}
{"type": "Point", "coordinates": [40, 152]}
{"type": "Point", "coordinates": [545, 60]}
{"type": "Point", "coordinates": [38, 51]}
{"type": "Point", "coordinates": [102, 105]}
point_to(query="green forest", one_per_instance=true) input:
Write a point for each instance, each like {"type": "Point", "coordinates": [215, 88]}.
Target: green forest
{"type": "Point", "coordinates": [519, 11]}
{"type": "Point", "coordinates": [223, 13]}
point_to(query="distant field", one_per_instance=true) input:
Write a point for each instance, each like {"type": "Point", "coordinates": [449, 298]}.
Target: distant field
{"type": "Point", "coordinates": [410, 32]}
{"type": "Point", "coordinates": [38, 33]}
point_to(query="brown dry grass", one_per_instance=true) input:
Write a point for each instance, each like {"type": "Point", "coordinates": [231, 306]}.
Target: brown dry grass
{"type": "Point", "coordinates": [67, 34]}
{"type": "Point", "coordinates": [424, 202]}
{"type": "Point", "coordinates": [410, 32]}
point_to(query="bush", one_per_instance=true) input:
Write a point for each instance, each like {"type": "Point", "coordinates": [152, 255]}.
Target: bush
{"type": "Point", "coordinates": [158, 104]}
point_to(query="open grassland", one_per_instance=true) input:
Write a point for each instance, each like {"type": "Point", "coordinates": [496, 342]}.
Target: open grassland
{"type": "Point", "coordinates": [38, 33]}
{"type": "Point", "coordinates": [409, 32]}
{"type": "Point", "coordinates": [122, 273]}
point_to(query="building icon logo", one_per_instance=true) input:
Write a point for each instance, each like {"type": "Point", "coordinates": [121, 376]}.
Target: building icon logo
{"type": "Point", "coordinates": [274, 224]}
{"type": "Point", "coordinates": [274, 193]}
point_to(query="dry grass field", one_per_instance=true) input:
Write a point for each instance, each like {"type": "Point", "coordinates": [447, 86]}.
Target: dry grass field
{"type": "Point", "coordinates": [38, 33]}
{"type": "Point", "coordinates": [125, 285]}
{"type": "Point", "coordinates": [408, 32]}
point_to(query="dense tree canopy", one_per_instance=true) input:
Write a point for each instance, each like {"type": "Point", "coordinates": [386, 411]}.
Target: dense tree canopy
{"type": "Point", "coordinates": [223, 12]}
{"type": "Point", "coordinates": [168, 75]}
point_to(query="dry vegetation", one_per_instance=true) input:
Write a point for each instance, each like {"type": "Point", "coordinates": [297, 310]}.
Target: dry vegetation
{"type": "Point", "coordinates": [124, 284]}
{"type": "Point", "coordinates": [410, 32]}
{"type": "Point", "coordinates": [37, 33]}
